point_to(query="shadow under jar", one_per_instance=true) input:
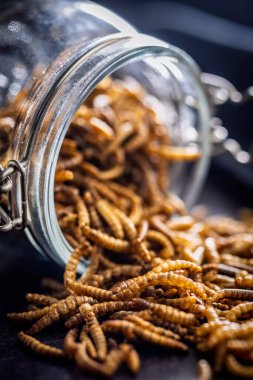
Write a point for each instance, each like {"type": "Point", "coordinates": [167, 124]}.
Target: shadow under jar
{"type": "Point", "coordinates": [52, 56]}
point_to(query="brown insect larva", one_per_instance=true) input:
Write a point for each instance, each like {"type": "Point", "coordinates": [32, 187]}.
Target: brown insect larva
{"type": "Point", "coordinates": [92, 268]}
{"type": "Point", "coordinates": [108, 308]}
{"type": "Point", "coordinates": [117, 272]}
{"type": "Point", "coordinates": [234, 294]}
{"type": "Point", "coordinates": [239, 310]}
{"type": "Point", "coordinates": [106, 241]}
{"type": "Point", "coordinates": [181, 223]}
{"type": "Point", "coordinates": [156, 236]}
{"type": "Point", "coordinates": [175, 153]}
{"type": "Point", "coordinates": [136, 211]}
{"type": "Point", "coordinates": [211, 253]}
{"type": "Point", "coordinates": [170, 314]}
{"type": "Point", "coordinates": [39, 347]}
{"type": "Point", "coordinates": [82, 212]}
{"type": "Point", "coordinates": [112, 220]}
{"type": "Point", "coordinates": [57, 311]}
{"type": "Point", "coordinates": [70, 345]}
{"type": "Point", "coordinates": [28, 316]}
{"type": "Point", "coordinates": [238, 345]}
{"type": "Point", "coordinates": [149, 326]}
{"type": "Point", "coordinates": [171, 265]}
{"type": "Point", "coordinates": [105, 175]}
{"type": "Point", "coordinates": [114, 359]}
{"type": "Point", "coordinates": [74, 159]}
{"type": "Point", "coordinates": [41, 299]}
{"type": "Point", "coordinates": [101, 127]}
{"type": "Point", "coordinates": [204, 370]}
{"type": "Point", "coordinates": [89, 291]}
{"type": "Point", "coordinates": [183, 303]}
{"type": "Point", "coordinates": [71, 267]}
{"type": "Point", "coordinates": [133, 361]}
{"type": "Point", "coordinates": [130, 331]}
{"type": "Point", "coordinates": [129, 289]}
{"type": "Point", "coordinates": [85, 340]}
{"type": "Point", "coordinates": [95, 330]}
{"type": "Point", "coordinates": [238, 369]}
{"type": "Point", "coordinates": [142, 231]}
{"type": "Point", "coordinates": [64, 175]}
{"type": "Point", "coordinates": [225, 332]}
{"type": "Point", "coordinates": [245, 281]}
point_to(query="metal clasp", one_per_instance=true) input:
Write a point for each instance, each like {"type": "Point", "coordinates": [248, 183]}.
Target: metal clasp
{"type": "Point", "coordinates": [7, 219]}
{"type": "Point", "coordinates": [222, 91]}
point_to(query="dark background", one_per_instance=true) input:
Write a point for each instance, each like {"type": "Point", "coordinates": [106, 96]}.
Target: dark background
{"type": "Point", "coordinates": [219, 36]}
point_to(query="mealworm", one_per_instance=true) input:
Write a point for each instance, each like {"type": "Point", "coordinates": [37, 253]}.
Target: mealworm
{"type": "Point", "coordinates": [239, 310]}
{"type": "Point", "coordinates": [238, 369]}
{"type": "Point", "coordinates": [69, 344]}
{"type": "Point", "coordinates": [204, 370]}
{"type": "Point", "coordinates": [106, 241]}
{"type": "Point", "coordinates": [58, 310]}
{"type": "Point", "coordinates": [239, 345]}
{"type": "Point", "coordinates": [168, 249]}
{"type": "Point", "coordinates": [64, 175]}
{"type": "Point", "coordinates": [41, 299]}
{"type": "Point", "coordinates": [82, 212]}
{"type": "Point", "coordinates": [102, 175]}
{"type": "Point", "coordinates": [129, 330]}
{"type": "Point", "coordinates": [171, 265]}
{"type": "Point", "coordinates": [233, 294]}
{"type": "Point", "coordinates": [112, 220]}
{"type": "Point", "coordinates": [149, 326]}
{"type": "Point", "coordinates": [114, 359]}
{"type": "Point", "coordinates": [245, 281]}
{"type": "Point", "coordinates": [39, 347]}
{"type": "Point", "coordinates": [170, 314]}
{"type": "Point", "coordinates": [175, 153]}
{"type": "Point", "coordinates": [133, 361]}
{"type": "Point", "coordinates": [85, 340]}
{"type": "Point", "coordinates": [109, 307]}
{"type": "Point", "coordinates": [95, 330]}
{"type": "Point", "coordinates": [222, 333]}
{"type": "Point", "coordinates": [135, 287]}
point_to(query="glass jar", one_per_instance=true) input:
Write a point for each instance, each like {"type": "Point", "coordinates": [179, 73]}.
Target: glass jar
{"type": "Point", "coordinates": [52, 55]}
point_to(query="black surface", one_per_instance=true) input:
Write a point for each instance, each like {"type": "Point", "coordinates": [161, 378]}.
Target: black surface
{"type": "Point", "coordinates": [21, 269]}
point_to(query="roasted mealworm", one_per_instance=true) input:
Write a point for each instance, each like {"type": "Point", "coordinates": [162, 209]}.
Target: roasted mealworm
{"type": "Point", "coordinates": [204, 370]}
{"type": "Point", "coordinates": [39, 347]}
{"type": "Point", "coordinates": [95, 330]}
{"type": "Point", "coordinates": [238, 369]}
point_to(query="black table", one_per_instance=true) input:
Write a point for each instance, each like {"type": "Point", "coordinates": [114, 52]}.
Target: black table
{"type": "Point", "coordinates": [21, 269]}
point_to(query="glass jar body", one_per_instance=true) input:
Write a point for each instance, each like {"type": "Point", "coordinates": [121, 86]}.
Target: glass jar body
{"type": "Point", "coordinates": [66, 49]}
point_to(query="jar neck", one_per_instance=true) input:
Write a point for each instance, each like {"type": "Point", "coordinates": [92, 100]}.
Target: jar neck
{"type": "Point", "coordinates": [51, 113]}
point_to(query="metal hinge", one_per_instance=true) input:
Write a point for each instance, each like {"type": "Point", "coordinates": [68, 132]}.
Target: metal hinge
{"type": "Point", "coordinates": [14, 170]}
{"type": "Point", "coordinates": [221, 91]}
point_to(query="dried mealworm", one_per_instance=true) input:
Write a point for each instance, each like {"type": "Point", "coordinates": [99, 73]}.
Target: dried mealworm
{"type": "Point", "coordinates": [64, 175]}
{"type": "Point", "coordinates": [85, 340]}
{"type": "Point", "coordinates": [234, 294]}
{"type": "Point", "coordinates": [39, 347]}
{"type": "Point", "coordinates": [70, 345]}
{"type": "Point", "coordinates": [106, 241]}
{"type": "Point", "coordinates": [239, 310]}
{"type": "Point", "coordinates": [41, 299]}
{"type": "Point", "coordinates": [238, 369]}
{"type": "Point", "coordinates": [95, 330]}
{"type": "Point", "coordinates": [112, 220]}
{"type": "Point", "coordinates": [133, 361]}
{"type": "Point", "coordinates": [204, 370]}
{"type": "Point", "coordinates": [57, 311]}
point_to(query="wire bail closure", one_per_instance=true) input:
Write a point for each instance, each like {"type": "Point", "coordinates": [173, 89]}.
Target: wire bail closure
{"type": "Point", "coordinates": [7, 219]}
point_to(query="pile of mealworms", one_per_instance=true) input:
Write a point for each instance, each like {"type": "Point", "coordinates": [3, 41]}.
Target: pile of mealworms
{"type": "Point", "coordinates": [142, 268]}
